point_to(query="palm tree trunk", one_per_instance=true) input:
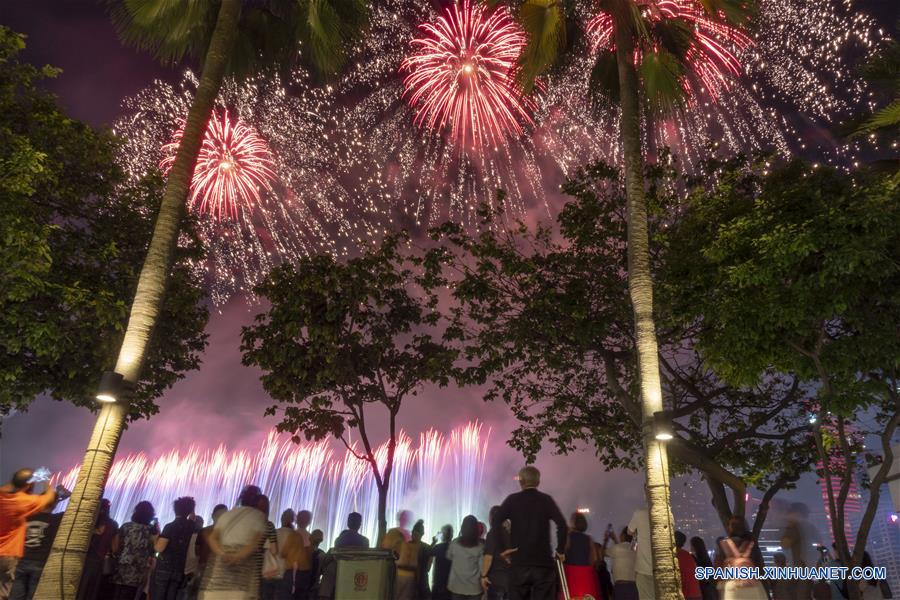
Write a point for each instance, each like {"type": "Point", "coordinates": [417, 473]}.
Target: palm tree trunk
{"type": "Point", "coordinates": [63, 569]}
{"type": "Point", "coordinates": [640, 287]}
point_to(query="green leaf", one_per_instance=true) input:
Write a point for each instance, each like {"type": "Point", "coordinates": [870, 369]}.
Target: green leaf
{"type": "Point", "coordinates": [544, 24]}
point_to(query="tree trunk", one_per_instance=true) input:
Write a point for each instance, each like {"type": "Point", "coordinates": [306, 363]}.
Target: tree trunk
{"type": "Point", "coordinates": [62, 571]}
{"type": "Point", "coordinates": [640, 287]}
{"type": "Point", "coordinates": [382, 513]}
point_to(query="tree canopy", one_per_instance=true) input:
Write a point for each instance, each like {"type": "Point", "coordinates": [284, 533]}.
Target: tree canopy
{"type": "Point", "coordinates": [73, 237]}
{"type": "Point", "coordinates": [343, 337]}
{"type": "Point", "coordinates": [543, 319]}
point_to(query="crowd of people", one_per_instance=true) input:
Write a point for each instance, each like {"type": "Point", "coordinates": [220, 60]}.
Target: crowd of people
{"type": "Point", "coordinates": [241, 555]}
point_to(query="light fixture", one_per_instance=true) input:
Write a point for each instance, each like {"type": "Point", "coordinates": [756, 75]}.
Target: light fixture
{"type": "Point", "coordinates": [111, 387]}
{"type": "Point", "coordinates": [662, 426]}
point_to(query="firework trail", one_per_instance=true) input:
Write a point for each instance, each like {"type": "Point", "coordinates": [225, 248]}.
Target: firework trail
{"type": "Point", "coordinates": [309, 477]}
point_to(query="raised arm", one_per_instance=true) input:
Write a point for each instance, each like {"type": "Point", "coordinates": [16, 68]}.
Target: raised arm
{"type": "Point", "coordinates": [562, 529]}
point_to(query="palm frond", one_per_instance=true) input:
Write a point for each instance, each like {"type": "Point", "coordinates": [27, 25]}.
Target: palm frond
{"type": "Point", "coordinates": [735, 12]}
{"type": "Point", "coordinates": [168, 29]}
{"type": "Point", "coordinates": [604, 83]}
{"type": "Point", "coordinates": [544, 24]}
{"type": "Point", "coordinates": [327, 28]}
{"type": "Point", "coordinates": [884, 118]}
{"type": "Point", "coordinates": [662, 76]}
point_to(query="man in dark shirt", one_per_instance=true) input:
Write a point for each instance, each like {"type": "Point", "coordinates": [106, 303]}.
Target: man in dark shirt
{"type": "Point", "coordinates": [533, 576]}
{"type": "Point", "coordinates": [350, 537]}
{"type": "Point", "coordinates": [441, 565]}
{"type": "Point", "coordinates": [39, 533]}
{"type": "Point", "coordinates": [171, 548]}
{"type": "Point", "coordinates": [495, 569]}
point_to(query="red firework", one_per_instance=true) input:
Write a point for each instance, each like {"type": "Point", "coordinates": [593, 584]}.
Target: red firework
{"type": "Point", "coordinates": [460, 75]}
{"type": "Point", "coordinates": [708, 56]}
{"type": "Point", "coordinates": [234, 164]}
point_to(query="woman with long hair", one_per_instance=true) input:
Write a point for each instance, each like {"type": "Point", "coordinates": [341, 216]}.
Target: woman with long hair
{"type": "Point", "coordinates": [133, 546]}
{"type": "Point", "coordinates": [701, 556]}
{"type": "Point", "coordinates": [581, 558]}
{"type": "Point", "coordinates": [466, 554]}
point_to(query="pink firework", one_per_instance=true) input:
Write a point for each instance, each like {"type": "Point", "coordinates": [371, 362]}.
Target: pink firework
{"type": "Point", "coordinates": [461, 75]}
{"type": "Point", "coordinates": [711, 53]}
{"type": "Point", "coordinates": [234, 164]}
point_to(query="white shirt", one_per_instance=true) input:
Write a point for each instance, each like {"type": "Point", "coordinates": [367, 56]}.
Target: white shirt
{"type": "Point", "coordinates": [240, 525]}
{"type": "Point", "coordinates": [623, 558]}
{"type": "Point", "coordinates": [640, 523]}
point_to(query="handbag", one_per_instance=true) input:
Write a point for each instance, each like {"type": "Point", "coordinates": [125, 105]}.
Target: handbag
{"type": "Point", "coordinates": [271, 568]}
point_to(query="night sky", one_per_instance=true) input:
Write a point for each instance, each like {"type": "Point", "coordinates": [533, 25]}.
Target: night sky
{"type": "Point", "coordinates": [224, 401]}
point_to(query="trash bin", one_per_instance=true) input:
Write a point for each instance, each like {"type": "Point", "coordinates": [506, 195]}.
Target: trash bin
{"type": "Point", "coordinates": [364, 574]}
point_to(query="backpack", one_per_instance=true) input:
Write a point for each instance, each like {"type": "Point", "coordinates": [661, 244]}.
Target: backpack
{"type": "Point", "coordinates": [739, 557]}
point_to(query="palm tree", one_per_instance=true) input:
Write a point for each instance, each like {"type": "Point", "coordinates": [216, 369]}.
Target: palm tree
{"type": "Point", "coordinates": [229, 37]}
{"type": "Point", "coordinates": [652, 60]}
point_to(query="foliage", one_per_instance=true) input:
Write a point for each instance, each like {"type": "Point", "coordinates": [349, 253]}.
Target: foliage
{"type": "Point", "coordinates": [341, 337]}
{"type": "Point", "coordinates": [267, 34]}
{"type": "Point", "coordinates": [73, 240]}
{"type": "Point", "coordinates": [883, 73]}
{"type": "Point", "coordinates": [794, 268]}
{"type": "Point", "coordinates": [544, 319]}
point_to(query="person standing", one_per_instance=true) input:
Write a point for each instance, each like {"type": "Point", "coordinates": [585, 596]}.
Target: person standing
{"type": "Point", "coordinates": [465, 554]}
{"type": "Point", "coordinates": [395, 537]}
{"type": "Point", "coordinates": [133, 546]}
{"type": "Point", "coordinates": [529, 512]}
{"type": "Point", "coordinates": [639, 526]}
{"type": "Point", "coordinates": [202, 546]}
{"type": "Point", "coordinates": [409, 566]}
{"type": "Point", "coordinates": [623, 559]}
{"type": "Point", "coordinates": [496, 568]}
{"type": "Point", "coordinates": [297, 555]}
{"type": "Point", "coordinates": [690, 587]}
{"type": "Point", "coordinates": [232, 570]}
{"type": "Point", "coordinates": [439, 589]}
{"type": "Point", "coordinates": [97, 561]}
{"type": "Point", "coordinates": [701, 557]}
{"type": "Point", "coordinates": [738, 550]}
{"type": "Point", "coordinates": [17, 504]}
{"type": "Point", "coordinates": [350, 537]}
{"type": "Point", "coordinates": [171, 551]}
{"type": "Point", "coordinates": [581, 557]}
{"type": "Point", "coordinates": [39, 534]}
{"type": "Point", "coordinates": [267, 557]}
{"type": "Point", "coordinates": [191, 586]}
{"type": "Point", "coordinates": [318, 561]}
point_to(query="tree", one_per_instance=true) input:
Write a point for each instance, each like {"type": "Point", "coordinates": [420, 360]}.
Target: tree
{"type": "Point", "coordinates": [544, 321]}
{"type": "Point", "coordinates": [344, 338]}
{"type": "Point", "coordinates": [883, 73]}
{"type": "Point", "coordinates": [655, 58]}
{"type": "Point", "coordinates": [73, 238]}
{"type": "Point", "coordinates": [795, 268]}
{"type": "Point", "coordinates": [228, 36]}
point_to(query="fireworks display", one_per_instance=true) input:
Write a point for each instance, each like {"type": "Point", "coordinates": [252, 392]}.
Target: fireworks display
{"type": "Point", "coordinates": [283, 201]}
{"type": "Point", "coordinates": [233, 165]}
{"type": "Point", "coordinates": [409, 137]}
{"type": "Point", "coordinates": [440, 480]}
{"type": "Point", "coordinates": [461, 75]}
{"type": "Point", "coordinates": [708, 54]}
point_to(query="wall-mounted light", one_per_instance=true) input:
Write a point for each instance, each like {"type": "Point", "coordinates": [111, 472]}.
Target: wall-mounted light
{"type": "Point", "coordinates": [111, 388]}
{"type": "Point", "coordinates": [662, 426]}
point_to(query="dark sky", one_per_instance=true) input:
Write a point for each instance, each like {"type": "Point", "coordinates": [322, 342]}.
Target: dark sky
{"type": "Point", "coordinates": [223, 402]}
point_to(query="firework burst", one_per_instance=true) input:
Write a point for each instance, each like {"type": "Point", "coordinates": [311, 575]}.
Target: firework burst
{"type": "Point", "coordinates": [276, 197]}
{"type": "Point", "coordinates": [233, 165]}
{"type": "Point", "coordinates": [460, 75]}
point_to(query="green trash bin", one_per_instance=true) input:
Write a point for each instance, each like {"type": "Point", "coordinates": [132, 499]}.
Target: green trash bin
{"type": "Point", "coordinates": [364, 574]}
